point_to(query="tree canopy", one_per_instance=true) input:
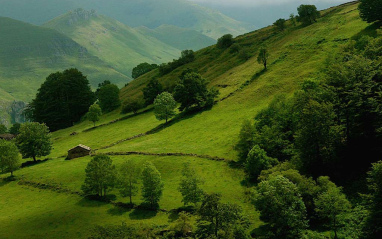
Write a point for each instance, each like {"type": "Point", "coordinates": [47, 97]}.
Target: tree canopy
{"type": "Point", "coordinates": [108, 97]}
{"type": "Point", "coordinates": [191, 92]}
{"type": "Point", "coordinates": [3, 129]}
{"type": "Point", "coordinates": [62, 100]}
{"type": "Point", "coordinates": [280, 24]}
{"type": "Point", "coordinates": [308, 14]}
{"type": "Point", "coordinates": [142, 69]}
{"type": "Point", "coordinates": [370, 10]}
{"type": "Point", "coordinates": [225, 41]}
{"type": "Point", "coordinates": [152, 185]}
{"type": "Point", "coordinates": [94, 113]}
{"type": "Point", "coordinates": [263, 56]}
{"type": "Point", "coordinates": [151, 91]}
{"type": "Point", "coordinates": [34, 140]}
{"type": "Point", "coordinates": [9, 157]}
{"type": "Point", "coordinates": [164, 106]}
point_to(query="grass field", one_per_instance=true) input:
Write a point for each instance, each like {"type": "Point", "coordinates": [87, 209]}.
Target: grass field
{"type": "Point", "coordinates": [297, 54]}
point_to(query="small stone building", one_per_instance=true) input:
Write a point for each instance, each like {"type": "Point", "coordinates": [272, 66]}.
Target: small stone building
{"type": "Point", "coordinates": [78, 151]}
{"type": "Point", "coordinates": [7, 136]}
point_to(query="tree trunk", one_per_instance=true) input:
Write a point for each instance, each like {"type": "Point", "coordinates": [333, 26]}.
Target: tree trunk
{"type": "Point", "coordinates": [11, 173]}
{"type": "Point", "coordinates": [94, 124]}
{"type": "Point", "coordinates": [335, 228]}
{"type": "Point", "coordinates": [265, 64]}
{"type": "Point", "coordinates": [34, 158]}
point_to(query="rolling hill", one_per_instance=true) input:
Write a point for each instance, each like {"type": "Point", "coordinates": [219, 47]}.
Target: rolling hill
{"type": "Point", "coordinates": [118, 45]}
{"type": "Point", "coordinates": [48, 197]}
{"type": "Point", "coordinates": [28, 54]}
{"type": "Point", "coordinates": [149, 13]}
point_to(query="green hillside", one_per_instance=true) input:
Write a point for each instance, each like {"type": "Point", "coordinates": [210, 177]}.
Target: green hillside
{"type": "Point", "coordinates": [48, 199]}
{"type": "Point", "coordinates": [30, 53]}
{"type": "Point", "coordinates": [120, 46]}
{"type": "Point", "coordinates": [149, 13]}
{"type": "Point", "coordinates": [180, 38]}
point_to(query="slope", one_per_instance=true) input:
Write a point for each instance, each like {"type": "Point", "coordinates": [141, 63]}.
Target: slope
{"type": "Point", "coordinates": [29, 53]}
{"type": "Point", "coordinates": [296, 54]}
{"type": "Point", "coordinates": [118, 45]}
{"type": "Point", "coordinates": [180, 38]}
{"type": "Point", "coordinates": [149, 13]}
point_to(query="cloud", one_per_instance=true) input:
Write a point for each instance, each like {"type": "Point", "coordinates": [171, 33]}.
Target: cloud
{"type": "Point", "coordinates": [266, 2]}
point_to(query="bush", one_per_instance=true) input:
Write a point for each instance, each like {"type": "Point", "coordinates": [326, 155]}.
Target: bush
{"type": "Point", "coordinates": [142, 69]}
{"type": "Point", "coordinates": [131, 106]}
{"type": "Point", "coordinates": [308, 14]}
{"type": "Point", "coordinates": [225, 41]}
{"type": "Point", "coordinates": [187, 56]}
{"type": "Point", "coordinates": [280, 24]}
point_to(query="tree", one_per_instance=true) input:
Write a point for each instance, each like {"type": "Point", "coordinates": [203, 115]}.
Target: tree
{"type": "Point", "coordinates": [246, 140]}
{"type": "Point", "coordinates": [128, 179]}
{"type": "Point", "coordinates": [94, 113]}
{"type": "Point", "coordinates": [292, 19]}
{"type": "Point", "coordinates": [164, 106]}
{"type": "Point", "coordinates": [34, 140]}
{"type": "Point", "coordinates": [142, 69]}
{"type": "Point", "coordinates": [263, 56]}
{"type": "Point", "coordinates": [370, 10]}
{"type": "Point", "coordinates": [280, 24]}
{"type": "Point", "coordinates": [9, 157]}
{"type": "Point", "coordinates": [215, 216]}
{"type": "Point", "coordinates": [374, 222]}
{"type": "Point", "coordinates": [191, 91]}
{"type": "Point", "coordinates": [15, 129]}
{"type": "Point", "coordinates": [258, 161]}
{"type": "Point", "coordinates": [225, 41]}
{"type": "Point", "coordinates": [151, 91]}
{"type": "Point", "coordinates": [152, 185]}
{"type": "Point", "coordinates": [62, 99]}
{"type": "Point", "coordinates": [100, 176]}
{"type": "Point", "coordinates": [131, 106]}
{"type": "Point", "coordinates": [186, 56]}
{"type": "Point", "coordinates": [330, 205]}
{"type": "Point", "coordinates": [308, 14]}
{"type": "Point", "coordinates": [102, 84]}
{"type": "Point", "coordinates": [108, 97]}
{"type": "Point", "coordinates": [281, 206]}
{"type": "Point", "coordinates": [189, 186]}
{"type": "Point", "coordinates": [3, 129]}
{"type": "Point", "coordinates": [183, 225]}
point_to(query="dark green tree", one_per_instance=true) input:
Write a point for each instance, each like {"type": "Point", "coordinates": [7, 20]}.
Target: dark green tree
{"type": "Point", "coordinates": [281, 206]}
{"type": "Point", "coordinates": [108, 97]}
{"type": "Point", "coordinates": [15, 129]}
{"type": "Point", "coordinates": [62, 100]}
{"type": "Point", "coordinates": [280, 24]}
{"type": "Point", "coordinates": [189, 186]}
{"type": "Point", "coordinates": [308, 14]}
{"type": "Point", "coordinates": [292, 18]}
{"type": "Point", "coordinates": [257, 161]}
{"type": "Point", "coordinates": [191, 92]}
{"type": "Point", "coordinates": [94, 113]}
{"type": "Point", "coordinates": [142, 69]}
{"type": "Point", "coordinates": [34, 140]}
{"type": "Point", "coordinates": [263, 56]}
{"type": "Point", "coordinates": [100, 176]}
{"type": "Point", "coordinates": [131, 106]}
{"type": "Point", "coordinates": [225, 41]}
{"type": "Point", "coordinates": [9, 157]}
{"type": "Point", "coordinates": [152, 185]}
{"type": "Point", "coordinates": [164, 106]}
{"type": "Point", "coordinates": [151, 91]}
{"type": "Point", "coordinates": [3, 129]}
{"type": "Point", "coordinates": [246, 140]}
{"type": "Point", "coordinates": [370, 10]}
{"type": "Point", "coordinates": [330, 205]}
{"type": "Point", "coordinates": [128, 176]}
{"type": "Point", "coordinates": [215, 216]}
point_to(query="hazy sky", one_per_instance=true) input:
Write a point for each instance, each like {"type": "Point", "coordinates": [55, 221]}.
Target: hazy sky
{"type": "Point", "coordinates": [266, 2]}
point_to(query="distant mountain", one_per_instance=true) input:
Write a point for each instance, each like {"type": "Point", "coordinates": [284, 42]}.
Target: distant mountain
{"type": "Point", "coordinates": [180, 38]}
{"type": "Point", "coordinates": [149, 13]}
{"type": "Point", "coordinates": [28, 54]}
{"type": "Point", "coordinates": [113, 42]}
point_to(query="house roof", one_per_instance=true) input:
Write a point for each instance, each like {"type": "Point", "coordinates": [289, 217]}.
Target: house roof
{"type": "Point", "coordinates": [81, 146]}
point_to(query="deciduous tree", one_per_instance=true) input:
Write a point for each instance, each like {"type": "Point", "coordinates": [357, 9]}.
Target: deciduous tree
{"type": "Point", "coordinates": [9, 157]}
{"type": "Point", "coordinates": [108, 97]}
{"type": "Point", "coordinates": [263, 56]}
{"type": "Point", "coordinates": [308, 14]}
{"type": "Point", "coordinates": [189, 186]}
{"type": "Point", "coordinates": [151, 91]}
{"type": "Point", "coordinates": [34, 140]}
{"type": "Point", "coordinates": [94, 113]}
{"type": "Point", "coordinates": [128, 176]}
{"type": "Point", "coordinates": [100, 176]}
{"type": "Point", "coordinates": [152, 185]}
{"type": "Point", "coordinates": [370, 10]}
{"type": "Point", "coordinates": [164, 106]}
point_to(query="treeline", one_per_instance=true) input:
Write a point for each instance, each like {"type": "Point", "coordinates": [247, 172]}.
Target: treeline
{"type": "Point", "coordinates": [329, 127]}
{"type": "Point", "coordinates": [215, 218]}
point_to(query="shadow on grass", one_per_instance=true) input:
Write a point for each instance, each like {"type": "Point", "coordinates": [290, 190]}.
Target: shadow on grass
{"type": "Point", "coordinates": [96, 201]}
{"type": "Point", "coordinates": [142, 214]}
{"type": "Point", "coordinates": [370, 31]}
{"type": "Point", "coordinates": [174, 213]}
{"type": "Point", "coordinates": [120, 208]}
{"type": "Point", "coordinates": [5, 181]}
{"type": "Point", "coordinates": [32, 163]}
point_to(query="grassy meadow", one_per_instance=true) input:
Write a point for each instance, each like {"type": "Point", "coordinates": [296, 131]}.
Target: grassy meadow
{"type": "Point", "coordinates": [297, 54]}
